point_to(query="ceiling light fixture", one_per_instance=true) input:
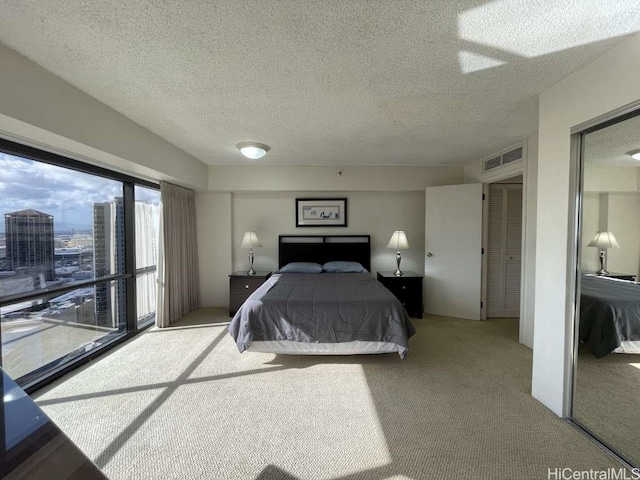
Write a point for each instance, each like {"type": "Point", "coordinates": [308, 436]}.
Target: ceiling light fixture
{"type": "Point", "coordinates": [635, 154]}
{"type": "Point", "coordinates": [253, 150]}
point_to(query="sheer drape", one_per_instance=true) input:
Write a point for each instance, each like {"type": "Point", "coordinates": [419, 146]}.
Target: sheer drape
{"type": "Point", "coordinates": [178, 290]}
{"type": "Point", "coordinates": [147, 232]}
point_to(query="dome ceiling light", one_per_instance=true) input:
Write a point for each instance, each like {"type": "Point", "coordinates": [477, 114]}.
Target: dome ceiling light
{"type": "Point", "coordinates": [635, 154]}
{"type": "Point", "coordinates": [253, 150]}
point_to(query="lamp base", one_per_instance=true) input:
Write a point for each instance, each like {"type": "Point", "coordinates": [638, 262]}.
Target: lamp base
{"type": "Point", "coordinates": [398, 272]}
{"type": "Point", "coordinates": [603, 263]}
{"type": "Point", "coordinates": [251, 271]}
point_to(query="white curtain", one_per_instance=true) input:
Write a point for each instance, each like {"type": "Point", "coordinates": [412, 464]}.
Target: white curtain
{"type": "Point", "coordinates": [178, 289]}
{"type": "Point", "coordinates": [147, 244]}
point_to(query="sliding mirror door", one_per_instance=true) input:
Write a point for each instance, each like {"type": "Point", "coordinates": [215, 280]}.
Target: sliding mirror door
{"type": "Point", "coordinates": [606, 400]}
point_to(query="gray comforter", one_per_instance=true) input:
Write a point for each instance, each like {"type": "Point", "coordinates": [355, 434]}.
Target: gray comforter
{"type": "Point", "coordinates": [609, 313]}
{"type": "Point", "coordinates": [322, 308]}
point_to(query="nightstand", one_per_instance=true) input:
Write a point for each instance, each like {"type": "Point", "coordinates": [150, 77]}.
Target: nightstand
{"type": "Point", "coordinates": [407, 289]}
{"type": "Point", "coordinates": [241, 286]}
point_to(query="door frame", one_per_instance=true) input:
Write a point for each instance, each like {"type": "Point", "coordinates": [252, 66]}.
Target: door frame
{"type": "Point", "coordinates": [524, 287]}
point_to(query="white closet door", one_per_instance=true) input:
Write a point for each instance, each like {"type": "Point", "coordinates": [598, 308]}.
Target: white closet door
{"type": "Point", "coordinates": [495, 251]}
{"type": "Point", "coordinates": [504, 250]}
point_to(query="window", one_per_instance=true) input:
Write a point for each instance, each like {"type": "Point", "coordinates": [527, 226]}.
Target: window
{"type": "Point", "coordinates": [78, 255]}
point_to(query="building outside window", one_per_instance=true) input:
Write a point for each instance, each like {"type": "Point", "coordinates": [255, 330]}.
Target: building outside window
{"type": "Point", "coordinates": [66, 288]}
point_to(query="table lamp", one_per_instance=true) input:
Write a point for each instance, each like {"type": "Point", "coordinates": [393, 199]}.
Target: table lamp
{"type": "Point", "coordinates": [250, 240]}
{"type": "Point", "coordinates": [398, 242]}
{"type": "Point", "coordinates": [603, 241]}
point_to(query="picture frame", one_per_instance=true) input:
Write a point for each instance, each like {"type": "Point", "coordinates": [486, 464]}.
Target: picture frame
{"type": "Point", "coordinates": [321, 212]}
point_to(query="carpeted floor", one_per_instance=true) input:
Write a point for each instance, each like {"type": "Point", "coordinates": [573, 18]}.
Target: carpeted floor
{"type": "Point", "coordinates": [607, 398]}
{"type": "Point", "coordinates": [182, 403]}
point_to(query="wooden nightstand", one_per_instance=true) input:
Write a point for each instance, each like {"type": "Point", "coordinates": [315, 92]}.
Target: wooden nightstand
{"type": "Point", "coordinates": [241, 286]}
{"type": "Point", "coordinates": [407, 289]}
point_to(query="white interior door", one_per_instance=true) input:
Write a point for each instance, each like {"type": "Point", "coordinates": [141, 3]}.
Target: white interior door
{"type": "Point", "coordinates": [453, 257]}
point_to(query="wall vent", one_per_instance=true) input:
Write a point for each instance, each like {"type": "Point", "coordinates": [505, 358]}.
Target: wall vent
{"type": "Point", "coordinates": [512, 156]}
{"type": "Point", "coordinates": [492, 165]}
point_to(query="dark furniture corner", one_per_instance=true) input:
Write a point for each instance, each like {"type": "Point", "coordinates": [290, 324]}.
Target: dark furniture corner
{"type": "Point", "coordinates": [407, 289]}
{"type": "Point", "coordinates": [241, 286]}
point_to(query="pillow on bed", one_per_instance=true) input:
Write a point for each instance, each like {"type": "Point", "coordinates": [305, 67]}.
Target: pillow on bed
{"type": "Point", "coordinates": [344, 267]}
{"type": "Point", "coordinates": [301, 267]}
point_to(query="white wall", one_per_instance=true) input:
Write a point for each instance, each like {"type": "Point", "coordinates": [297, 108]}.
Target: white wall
{"type": "Point", "coordinates": [377, 214]}
{"type": "Point", "coordinates": [610, 179]}
{"type": "Point", "coordinates": [619, 213]}
{"type": "Point", "coordinates": [473, 172]}
{"type": "Point", "coordinates": [42, 110]}
{"type": "Point", "coordinates": [223, 217]}
{"type": "Point", "coordinates": [590, 225]}
{"type": "Point", "coordinates": [291, 178]}
{"type": "Point", "coordinates": [608, 83]}
{"type": "Point", "coordinates": [624, 223]}
{"type": "Point", "coordinates": [530, 208]}
{"type": "Point", "coordinates": [213, 218]}
{"type": "Point", "coordinates": [262, 199]}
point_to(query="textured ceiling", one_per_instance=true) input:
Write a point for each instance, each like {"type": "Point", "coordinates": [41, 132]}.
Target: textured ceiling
{"type": "Point", "coordinates": [608, 147]}
{"type": "Point", "coordinates": [355, 82]}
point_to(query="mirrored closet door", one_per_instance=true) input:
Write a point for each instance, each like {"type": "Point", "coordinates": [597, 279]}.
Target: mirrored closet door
{"type": "Point", "coordinates": [606, 394]}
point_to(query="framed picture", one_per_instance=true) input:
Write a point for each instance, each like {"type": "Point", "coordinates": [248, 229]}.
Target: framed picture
{"type": "Point", "coordinates": [321, 212]}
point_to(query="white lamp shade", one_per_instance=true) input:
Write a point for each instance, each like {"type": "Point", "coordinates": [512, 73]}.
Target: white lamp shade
{"type": "Point", "coordinates": [604, 240]}
{"type": "Point", "coordinates": [398, 241]}
{"type": "Point", "coordinates": [250, 240]}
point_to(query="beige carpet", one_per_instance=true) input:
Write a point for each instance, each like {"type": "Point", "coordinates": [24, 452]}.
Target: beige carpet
{"type": "Point", "coordinates": [182, 403]}
{"type": "Point", "coordinates": [607, 399]}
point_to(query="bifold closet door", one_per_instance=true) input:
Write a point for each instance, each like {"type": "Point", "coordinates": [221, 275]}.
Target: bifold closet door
{"type": "Point", "coordinates": [504, 250]}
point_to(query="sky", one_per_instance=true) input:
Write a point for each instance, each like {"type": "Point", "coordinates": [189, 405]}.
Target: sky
{"type": "Point", "coordinates": [66, 194]}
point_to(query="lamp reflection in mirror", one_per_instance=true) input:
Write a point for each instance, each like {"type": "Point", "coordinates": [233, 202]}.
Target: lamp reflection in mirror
{"type": "Point", "coordinates": [398, 242]}
{"type": "Point", "coordinates": [250, 240]}
{"type": "Point", "coordinates": [603, 241]}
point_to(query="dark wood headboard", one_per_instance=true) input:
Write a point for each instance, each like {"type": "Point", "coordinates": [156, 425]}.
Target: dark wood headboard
{"type": "Point", "coordinates": [324, 248]}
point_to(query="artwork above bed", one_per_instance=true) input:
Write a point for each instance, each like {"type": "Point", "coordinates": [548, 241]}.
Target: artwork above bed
{"type": "Point", "coordinates": [321, 212]}
{"type": "Point", "coordinates": [324, 248]}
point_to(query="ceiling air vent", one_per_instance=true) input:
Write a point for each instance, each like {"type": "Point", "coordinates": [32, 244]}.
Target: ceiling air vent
{"type": "Point", "coordinates": [512, 156]}
{"type": "Point", "coordinates": [492, 163]}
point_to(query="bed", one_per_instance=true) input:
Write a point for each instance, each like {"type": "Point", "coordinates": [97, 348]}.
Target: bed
{"type": "Point", "coordinates": [609, 315]}
{"type": "Point", "coordinates": [322, 313]}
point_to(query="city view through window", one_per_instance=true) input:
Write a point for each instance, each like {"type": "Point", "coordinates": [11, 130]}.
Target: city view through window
{"type": "Point", "coordinates": [61, 227]}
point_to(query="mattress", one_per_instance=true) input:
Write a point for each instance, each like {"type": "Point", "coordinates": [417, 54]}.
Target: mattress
{"type": "Point", "coordinates": [326, 313]}
{"type": "Point", "coordinates": [628, 347]}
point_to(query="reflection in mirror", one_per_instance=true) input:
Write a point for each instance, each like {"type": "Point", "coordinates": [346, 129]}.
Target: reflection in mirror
{"type": "Point", "coordinates": [607, 376]}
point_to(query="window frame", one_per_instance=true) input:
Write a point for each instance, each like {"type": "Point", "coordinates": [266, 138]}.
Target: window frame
{"type": "Point", "coordinates": [128, 275]}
